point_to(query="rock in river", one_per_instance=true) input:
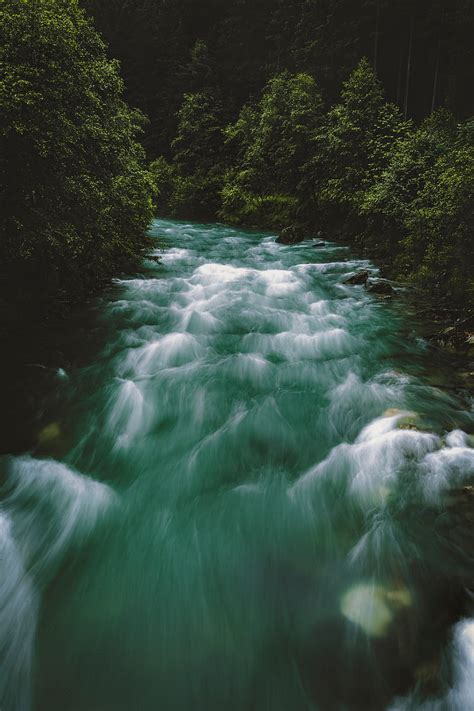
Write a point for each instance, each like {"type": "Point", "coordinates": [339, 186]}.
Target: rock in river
{"type": "Point", "coordinates": [356, 279]}
{"type": "Point", "coordinates": [379, 286]}
{"type": "Point", "coordinates": [291, 235]}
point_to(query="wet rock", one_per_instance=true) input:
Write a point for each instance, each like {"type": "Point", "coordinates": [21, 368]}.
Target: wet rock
{"type": "Point", "coordinates": [291, 235]}
{"type": "Point", "coordinates": [409, 426]}
{"type": "Point", "coordinates": [458, 336]}
{"type": "Point", "coordinates": [392, 412]}
{"type": "Point", "coordinates": [466, 379]}
{"type": "Point", "coordinates": [357, 279]}
{"type": "Point", "coordinates": [406, 421]}
{"type": "Point", "coordinates": [154, 258]}
{"type": "Point", "coordinates": [49, 434]}
{"type": "Point", "coordinates": [379, 286]}
{"type": "Point", "coordinates": [52, 441]}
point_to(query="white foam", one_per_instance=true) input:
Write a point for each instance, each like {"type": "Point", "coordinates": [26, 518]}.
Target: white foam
{"type": "Point", "coordinates": [370, 467]}
{"type": "Point", "coordinates": [249, 368]}
{"type": "Point", "coordinates": [381, 426]}
{"type": "Point", "coordinates": [174, 254]}
{"type": "Point", "coordinates": [127, 414]}
{"type": "Point", "coordinates": [278, 282]}
{"type": "Point", "coordinates": [49, 506]}
{"type": "Point", "coordinates": [457, 438]}
{"type": "Point", "coordinates": [320, 308]}
{"type": "Point", "coordinates": [334, 343]}
{"type": "Point", "coordinates": [19, 603]}
{"type": "Point", "coordinates": [199, 322]}
{"type": "Point", "coordinates": [220, 273]}
{"type": "Point", "coordinates": [448, 468]}
{"type": "Point", "coordinates": [461, 695]}
{"type": "Point", "coordinates": [170, 351]}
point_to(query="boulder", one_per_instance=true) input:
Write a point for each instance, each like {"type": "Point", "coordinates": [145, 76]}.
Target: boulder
{"type": "Point", "coordinates": [379, 286]}
{"type": "Point", "coordinates": [356, 279]}
{"type": "Point", "coordinates": [457, 336]}
{"type": "Point", "coordinates": [291, 235]}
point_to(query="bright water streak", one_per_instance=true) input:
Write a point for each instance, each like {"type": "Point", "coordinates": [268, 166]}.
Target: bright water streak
{"type": "Point", "coordinates": [273, 527]}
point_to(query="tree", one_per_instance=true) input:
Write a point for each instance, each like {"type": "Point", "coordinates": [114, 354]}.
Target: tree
{"type": "Point", "coordinates": [353, 147]}
{"type": "Point", "coordinates": [74, 196]}
{"type": "Point", "coordinates": [198, 155]}
{"type": "Point", "coordinates": [437, 248]}
{"type": "Point", "coordinates": [270, 143]}
{"type": "Point", "coordinates": [389, 201]}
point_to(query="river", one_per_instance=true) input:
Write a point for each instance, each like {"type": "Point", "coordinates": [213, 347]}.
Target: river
{"type": "Point", "coordinates": [254, 496]}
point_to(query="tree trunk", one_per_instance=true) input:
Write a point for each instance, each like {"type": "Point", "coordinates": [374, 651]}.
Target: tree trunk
{"type": "Point", "coordinates": [400, 77]}
{"type": "Point", "coordinates": [409, 63]}
{"type": "Point", "coordinates": [435, 82]}
{"type": "Point", "coordinates": [377, 35]}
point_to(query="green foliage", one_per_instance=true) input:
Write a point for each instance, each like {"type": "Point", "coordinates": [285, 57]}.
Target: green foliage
{"type": "Point", "coordinates": [420, 212]}
{"type": "Point", "coordinates": [388, 202]}
{"type": "Point", "coordinates": [268, 143]}
{"type": "Point", "coordinates": [164, 178]}
{"type": "Point", "coordinates": [199, 139]}
{"type": "Point", "coordinates": [353, 146]}
{"type": "Point", "coordinates": [404, 193]}
{"type": "Point", "coordinates": [198, 154]}
{"type": "Point", "coordinates": [239, 206]}
{"type": "Point", "coordinates": [75, 198]}
{"type": "Point", "coordinates": [438, 245]}
{"type": "Point", "coordinates": [197, 196]}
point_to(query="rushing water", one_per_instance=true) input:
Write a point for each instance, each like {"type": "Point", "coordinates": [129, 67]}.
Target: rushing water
{"type": "Point", "coordinates": [254, 498]}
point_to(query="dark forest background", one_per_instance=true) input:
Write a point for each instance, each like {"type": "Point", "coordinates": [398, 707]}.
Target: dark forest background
{"type": "Point", "coordinates": [422, 51]}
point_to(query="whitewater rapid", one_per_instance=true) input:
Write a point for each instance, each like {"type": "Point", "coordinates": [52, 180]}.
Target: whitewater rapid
{"type": "Point", "coordinates": [262, 500]}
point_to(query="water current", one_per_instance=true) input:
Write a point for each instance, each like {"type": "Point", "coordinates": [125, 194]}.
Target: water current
{"type": "Point", "coordinates": [256, 497]}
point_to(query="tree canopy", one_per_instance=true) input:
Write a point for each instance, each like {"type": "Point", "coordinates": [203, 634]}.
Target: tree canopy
{"type": "Point", "coordinates": [75, 197]}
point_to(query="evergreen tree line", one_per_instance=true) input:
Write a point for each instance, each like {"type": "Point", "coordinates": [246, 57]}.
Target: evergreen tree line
{"type": "Point", "coordinates": [422, 51]}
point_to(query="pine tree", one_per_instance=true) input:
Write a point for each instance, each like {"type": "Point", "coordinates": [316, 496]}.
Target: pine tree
{"type": "Point", "coordinates": [198, 155]}
{"type": "Point", "coordinates": [274, 138]}
{"type": "Point", "coordinates": [352, 149]}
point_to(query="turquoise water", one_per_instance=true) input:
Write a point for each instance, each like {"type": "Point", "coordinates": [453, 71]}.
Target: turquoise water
{"type": "Point", "coordinates": [254, 497]}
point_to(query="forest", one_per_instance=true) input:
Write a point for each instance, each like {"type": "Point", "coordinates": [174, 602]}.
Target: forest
{"type": "Point", "coordinates": [349, 118]}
